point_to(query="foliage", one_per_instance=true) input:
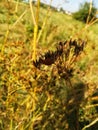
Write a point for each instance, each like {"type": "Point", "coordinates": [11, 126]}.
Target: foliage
{"type": "Point", "coordinates": [29, 30]}
{"type": "Point", "coordinates": [62, 95]}
{"type": "Point", "coordinates": [33, 98]}
{"type": "Point", "coordinates": [83, 13]}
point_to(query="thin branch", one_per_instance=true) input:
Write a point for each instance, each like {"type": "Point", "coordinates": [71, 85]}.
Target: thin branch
{"type": "Point", "coordinates": [91, 124]}
{"type": "Point", "coordinates": [44, 21]}
{"type": "Point", "coordinates": [90, 9]}
{"type": "Point", "coordinates": [32, 12]}
{"type": "Point", "coordinates": [19, 18]}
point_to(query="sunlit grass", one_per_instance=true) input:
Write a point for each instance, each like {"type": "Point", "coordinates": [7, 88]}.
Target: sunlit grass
{"type": "Point", "coordinates": [31, 98]}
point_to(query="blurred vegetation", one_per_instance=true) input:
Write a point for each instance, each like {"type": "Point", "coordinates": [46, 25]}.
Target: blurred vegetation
{"type": "Point", "coordinates": [85, 12]}
{"type": "Point", "coordinates": [61, 96]}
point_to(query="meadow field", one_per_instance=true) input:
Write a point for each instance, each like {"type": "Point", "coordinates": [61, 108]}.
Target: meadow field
{"type": "Point", "coordinates": [36, 94]}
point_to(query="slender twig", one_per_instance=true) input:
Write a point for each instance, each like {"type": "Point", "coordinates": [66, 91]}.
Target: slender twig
{"type": "Point", "coordinates": [44, 22]}
{"type": "Point", "coordinates": [90, 9]}
{"type": "Point", "coordinates": [91, 124]}
{"type": "Point", "coordinates": [35, 21]}
{"type": "Point", "coordinates": [21, 16]}
{"type": "Point", "coordinates": [32, 12]}
{"type": "Point", "coordinates": [16, 8]}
